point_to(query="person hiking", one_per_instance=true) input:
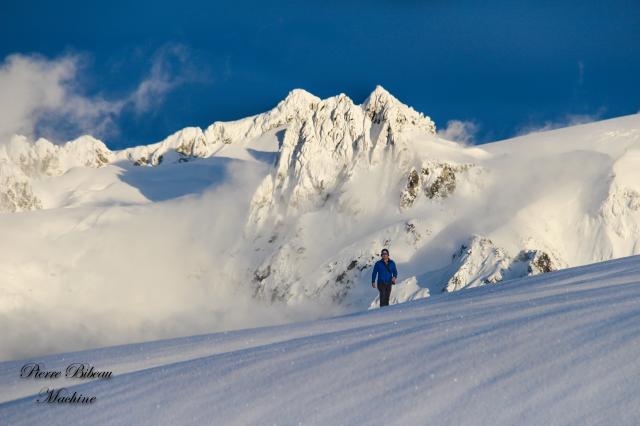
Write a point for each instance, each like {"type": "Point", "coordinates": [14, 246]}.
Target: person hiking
{"type": "Point", "coordinates": [387, 273]}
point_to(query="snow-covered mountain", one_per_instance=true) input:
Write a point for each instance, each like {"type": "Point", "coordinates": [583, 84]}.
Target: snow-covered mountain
{"type": "Point", "coordinates": [554, 349]}
{"type": "Point", "coordinates": [281, 215]}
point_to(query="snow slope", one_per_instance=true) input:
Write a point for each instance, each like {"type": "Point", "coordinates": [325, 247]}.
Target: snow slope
{"type": "Point", "coordinates": [279, 217]}
{"type": "Point", "coordinates": [559, 348]}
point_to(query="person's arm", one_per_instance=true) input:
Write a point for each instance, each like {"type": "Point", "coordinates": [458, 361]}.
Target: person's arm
{"type": "Point", "coordinates": [373, 275]}
{"type": "Point", "coordinates": [394, 272]}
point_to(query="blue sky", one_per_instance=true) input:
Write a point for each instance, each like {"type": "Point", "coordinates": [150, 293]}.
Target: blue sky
{"type": "Point", "coordinates": [507, 66]}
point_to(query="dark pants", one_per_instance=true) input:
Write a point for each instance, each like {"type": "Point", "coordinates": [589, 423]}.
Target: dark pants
{"type": "Point", "coordinates": [385, 292]}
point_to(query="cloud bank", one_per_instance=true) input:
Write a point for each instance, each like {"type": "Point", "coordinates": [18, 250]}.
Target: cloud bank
{"type": "Point", "coordinates": [88, 277]}
{"type": "Point", "coordinates": [460, 131]}
{"type": "Point", "coordinates": [42, 96]}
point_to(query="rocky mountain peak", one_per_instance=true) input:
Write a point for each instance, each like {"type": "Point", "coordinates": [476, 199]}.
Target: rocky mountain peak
{"type": "Point", "coordinates": [298, 98]}
{"type": "Point", "coordinates": [383, 106]}
{"type": "Point", "coordinates": [322, 147]}
{"type": "Point", "coordinates": [379, 96]}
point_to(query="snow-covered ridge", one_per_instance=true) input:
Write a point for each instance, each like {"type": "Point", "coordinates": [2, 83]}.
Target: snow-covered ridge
{"type": "Point", "coordinates": [455, 217]}
{"type": "Point", "coordinates": [316, 187]}
{"type": "Point", "coordinates": [22, 161]}
{"type": "Point", "coordinates": [194, 142]}
{"type": "Point", "coordinates": [380, 114]}
{"type": "Point", "coordinates": [323, 150]}
{"type": "Point", "coordinates": [480, 262]}
{"type": "Point", "coordinates": [44, 158]}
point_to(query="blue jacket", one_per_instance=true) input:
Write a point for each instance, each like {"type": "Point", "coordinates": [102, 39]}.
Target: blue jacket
{"type": "Point", "coordinates": [384, 275]}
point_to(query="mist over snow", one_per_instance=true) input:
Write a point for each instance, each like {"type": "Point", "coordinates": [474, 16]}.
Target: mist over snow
{"type": "Point", "coordinates": [112, 273]}
{"type": "Point", "coordinates": [280, 216]}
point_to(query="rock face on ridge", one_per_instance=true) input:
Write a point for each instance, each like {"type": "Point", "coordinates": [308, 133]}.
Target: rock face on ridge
{"type": "Point", "coordinates": [16, 194]}
{"type": "Point", "coordinates": [480, 261]}
{"type": "Point", "coordinates": [22, 161]}
{"type": "Point", "coordinates": [322, 149]}
{"type": "Point", "coordinates": [436, 180]}
{"type": "Point", "coordinates": [194, 142]}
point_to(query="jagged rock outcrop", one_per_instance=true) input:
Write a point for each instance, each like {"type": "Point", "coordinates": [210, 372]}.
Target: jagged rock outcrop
{"type": "Point", "coordinates": [22, 161]}
{"type": "Point", "coordinates": [388, 117]}
{"type": "Point", "coordinates": [480, 261]}
{"type": "Point", "coordinates": [194, 142]}
{"type": "Point", "coordinates": [16, 193]}
{"type": "Point", "coordinates": [296, 105]}
{"type": "Point", "coordinates": [322, 149]}
{"type": "Point", "coordinates": [411, 190]}
{"type": "Point", "coordinates": [323, 142]}
{"type": "Point", "coordinates": [436, 180]}
{"type": "Point", "coordinates": [280, 277]}
{"type": "Point", "coordinates": [43, 158]}
{"type": "Point", "coordinates": [477, 262]}
{"type": "Point", "coordinates": [537, 262]}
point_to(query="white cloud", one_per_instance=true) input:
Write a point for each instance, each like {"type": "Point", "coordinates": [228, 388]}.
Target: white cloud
{"type": "Point", "coordinates": [29, 86]}
{"type": "Point", "coordinates": [170, 68]}
{"type": "Point", "coordinates": [41, 96]}
{"type": "Point", "coordinates": [459, 131]}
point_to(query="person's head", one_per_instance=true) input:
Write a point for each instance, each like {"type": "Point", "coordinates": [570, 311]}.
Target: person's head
{"type": "Point", "coordinates": [384, 254]}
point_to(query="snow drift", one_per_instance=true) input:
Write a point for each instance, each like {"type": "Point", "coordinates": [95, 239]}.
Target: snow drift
{"type": "Point", "coordinates": [559, 348]}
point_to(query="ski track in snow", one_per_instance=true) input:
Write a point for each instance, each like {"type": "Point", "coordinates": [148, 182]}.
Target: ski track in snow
{"type": "Point", "coordinates": [559, 348]}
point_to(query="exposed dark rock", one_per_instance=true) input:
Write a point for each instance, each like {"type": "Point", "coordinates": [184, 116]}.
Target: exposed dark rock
{"type": "Point", "coordinates": [443, 185]}
{"type": "Point", "coordinates": [540, 263]}
{"type": "Point", "coordinates": [261, 275]}
{"type": "Point", "coordinates": [411, 190]}
{"type": "Point", "coordinates": [102, 159]}
{"type": "Point", "coordinates": [17, 196]}
{"type": "Point", "coordinates": [437, 180]}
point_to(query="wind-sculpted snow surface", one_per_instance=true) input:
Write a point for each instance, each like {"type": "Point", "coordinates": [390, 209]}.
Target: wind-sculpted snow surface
{"type": "Point", "coordinates": [555, 349]}
{"type": "Point", "coordinates": [280, 216]}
